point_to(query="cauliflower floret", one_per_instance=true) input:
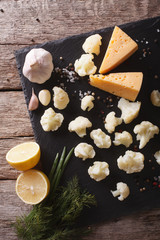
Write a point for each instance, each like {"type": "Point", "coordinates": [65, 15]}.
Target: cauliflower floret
{"type": "Point", "coordinates": [124, 138]}
{"type": "Point", "coordinates": [157, 156]}
{"type": "Point", "coordinates": [145, 131]}
{"type": "Point", "coordinates": [84, 151]}
{"type": "Point", "coordinates": [129, 110]}
{"type": "Point", "coordinates": [111, 122]}
{"type": "Point", "coordinates": [155, 98]}
{"type": "Point", "coordinates": [92, 44]}
{"type": "Point", "coordinates": [122, 191]}
{"type": "Point", "coordinates": [131, 162]}
{"type": "Point", "coordinates": [101, 140]}
{"type": "Point", "coordinates": [60, 98]}
{"type": "Point", "coordinates": [87, 103]}
{"type": "Point", "coordinates": [51, 120]}
{"type": "Point", "coordinates": [85, 66]}
{"type": "Point", "coordinates": [99, 171]}
{"type": "Point", "coordinates": [79, 126]}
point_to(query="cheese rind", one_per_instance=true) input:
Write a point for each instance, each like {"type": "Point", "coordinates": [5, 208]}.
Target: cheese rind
{"type": "Point", "coordinates": [120, 47]}
{"type": "Point", "coordinates": [126, 85]}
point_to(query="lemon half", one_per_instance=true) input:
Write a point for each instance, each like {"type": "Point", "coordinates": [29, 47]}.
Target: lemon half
{"type": "Point", "coordinates": [24, 156]}
{"type": "Point", "coordinates": [32, 186]}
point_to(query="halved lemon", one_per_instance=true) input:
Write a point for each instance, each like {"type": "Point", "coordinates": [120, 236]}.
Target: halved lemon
{"type": "Point", "coordinates": [32, 186]}
{"type": "Point", "coordinates": [24, 156]}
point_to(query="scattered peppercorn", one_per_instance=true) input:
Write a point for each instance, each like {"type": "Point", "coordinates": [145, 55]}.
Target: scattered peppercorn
{"type": "Point", "coordinates": [37, 19]}
{"type": "Point", "coordinates": [32, 40]}
{"type": "Point", "coordinates": [135, 148]}
{"type": "Point", "coordinates": [156, 40]}
{"type": "Point", "coordinates": [154, 183]}
{"type": "Point", "coordinates": [2, 10]}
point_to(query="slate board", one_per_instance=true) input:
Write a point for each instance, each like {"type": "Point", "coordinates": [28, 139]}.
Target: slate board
{"type": "Point", "coordinates": [147, 35]}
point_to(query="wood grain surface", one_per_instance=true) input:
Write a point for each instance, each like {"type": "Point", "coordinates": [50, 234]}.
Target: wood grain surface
{"type": "Point", "coordinates": [26, 22]}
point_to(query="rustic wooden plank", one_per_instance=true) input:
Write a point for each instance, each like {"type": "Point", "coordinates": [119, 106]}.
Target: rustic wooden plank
{"type": "Point", "coordinates": [9, 77]}
{"type": "Point", "coordinates": [47, 20]}
{"type": "Point", "coordinates": [144, 225]}
{"type": "Point", "coordinates": [6, 171]}
{"type": "Point", "coordinates": [10, 207]}
{"type": "Point", "coordinates": [14, 116]}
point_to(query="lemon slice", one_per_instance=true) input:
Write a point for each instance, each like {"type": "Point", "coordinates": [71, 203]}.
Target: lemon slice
{"type": "Point", "coordinates": [24, 156]}
{"type": "Point", "coordinates": [32, 186]}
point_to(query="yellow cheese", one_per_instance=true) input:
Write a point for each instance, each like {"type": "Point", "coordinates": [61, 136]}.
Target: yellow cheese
{"type": "Point", "coordinates": [126, 85]}
{"type": "Point", "coordinates": [120, 47]}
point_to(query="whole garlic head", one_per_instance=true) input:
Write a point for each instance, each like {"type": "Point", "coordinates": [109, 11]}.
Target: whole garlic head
{"type": "Point", "coordinates": [38, 65]}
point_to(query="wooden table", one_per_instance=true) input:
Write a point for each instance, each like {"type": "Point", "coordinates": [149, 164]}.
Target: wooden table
{"type": "Point", "coordinates": [26, 22]}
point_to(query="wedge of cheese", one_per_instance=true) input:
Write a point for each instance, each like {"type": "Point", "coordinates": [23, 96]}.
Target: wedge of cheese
{"type": "Point", "coordinates": [120, 47]}
{"type": "Point", "coordinates": [126, 85]}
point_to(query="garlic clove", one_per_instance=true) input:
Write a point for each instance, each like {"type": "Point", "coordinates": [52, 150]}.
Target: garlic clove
{"type": "Point", "coordinates": [34, 102]}
{"type": "Point", "coordinates": [44, 97]}
{"type": "Point", "coordinates": [38, 65]}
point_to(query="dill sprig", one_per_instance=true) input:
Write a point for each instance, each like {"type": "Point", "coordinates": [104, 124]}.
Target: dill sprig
{"type": "Point", "coordinates": [55, 217]}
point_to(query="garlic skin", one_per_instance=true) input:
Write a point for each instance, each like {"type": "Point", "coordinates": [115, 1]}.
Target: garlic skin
{"type": "Point", "coordinates": [38, 65]}
{"type": "Point", "coordinates": [34, 102]}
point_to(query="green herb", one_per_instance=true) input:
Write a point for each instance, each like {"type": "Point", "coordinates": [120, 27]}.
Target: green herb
{"type": "Point", "coordinates": [55, 218]}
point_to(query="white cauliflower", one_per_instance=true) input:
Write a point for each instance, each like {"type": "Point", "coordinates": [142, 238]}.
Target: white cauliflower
{"type": "Point", "coordinates": [79, 126]}
{"type": "Point", "coordinates": [60, 98]}
{"type": "Point", "coordinates": [129, 110]}
{"type": "Point", "coordinates": [145, 131]}
{"type": "Point", "coordinates": [101, 140]}
{"type": "Point", "coordinates": [85, 66]}
{"type": "Point", "coordinates": [122, 191]}
{"type": "Point", "coordinates": [87, 103]}
{"type": "Point", "coordinates": [155, 98]}
{"type": "Point", "coordinates": [92, 44]}
{"type": "Point", "coordinates": [157, 156]}
{"type": "Point", "coordinates": [51, 120]}
{"type": "Point", "coordinates": [84, 151]}
{"type": "Point", "coordinates": [131, 162]}
{"type": "Point", "coordinates": [111, 122]}
{"type": "Point", "coordinates": [99, 171]}
{"type": "Point", "coordinates": [124, 138]}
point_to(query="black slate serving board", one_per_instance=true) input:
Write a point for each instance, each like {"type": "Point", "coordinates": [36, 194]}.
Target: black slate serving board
{"type": "Point", "coordinates": [146, 59]}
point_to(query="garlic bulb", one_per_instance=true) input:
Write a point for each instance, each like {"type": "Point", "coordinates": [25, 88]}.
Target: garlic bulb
{"type": "Point", "coordinates": [38, 65]}
{"type": "Point", "coordinates": [33, 103]}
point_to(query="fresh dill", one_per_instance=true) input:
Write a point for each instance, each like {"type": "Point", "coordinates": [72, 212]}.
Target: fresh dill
{"type": "Point", "coordinates": [55, 218]}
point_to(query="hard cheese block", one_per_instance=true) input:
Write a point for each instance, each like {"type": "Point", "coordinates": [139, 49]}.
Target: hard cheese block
{"type": "Point", "coordinates": [120, 47]}
{"type": "Point", "coordinates": [126, 85]}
